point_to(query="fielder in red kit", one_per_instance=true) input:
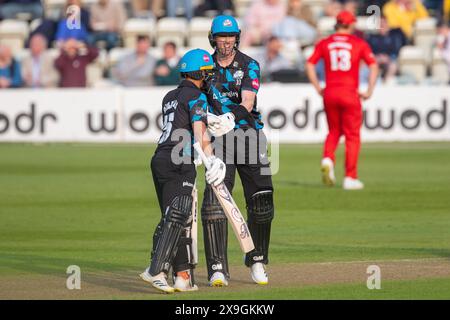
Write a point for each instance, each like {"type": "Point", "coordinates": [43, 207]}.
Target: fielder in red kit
{"type": "Point", "coordinates": [342, 53]}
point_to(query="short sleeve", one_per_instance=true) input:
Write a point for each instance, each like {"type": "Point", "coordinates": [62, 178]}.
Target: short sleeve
{"type": "Point", "coordinates": [251, 79]}
{"type": "Point", "coordinates": [317, 54]}
{"type": "Point", "coordinates": [198, 108]}
{"type": "Point", "coordinates": [367, 54]}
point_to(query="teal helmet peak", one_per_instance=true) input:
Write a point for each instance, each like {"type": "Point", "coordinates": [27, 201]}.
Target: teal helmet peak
{"type": "Point", "coordinates": [195, 62]}
{"type": "Point", "coordinates": [224, 25]}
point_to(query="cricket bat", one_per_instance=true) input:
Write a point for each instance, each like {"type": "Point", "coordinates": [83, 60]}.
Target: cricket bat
{"type": "Point", "coordinates": [194, 224]}
{"type": "Point", "coordinates": [230, 208]}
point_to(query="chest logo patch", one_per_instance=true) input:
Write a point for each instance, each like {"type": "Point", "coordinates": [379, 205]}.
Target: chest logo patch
{"type": "Point", "coordinates": [238, 75]}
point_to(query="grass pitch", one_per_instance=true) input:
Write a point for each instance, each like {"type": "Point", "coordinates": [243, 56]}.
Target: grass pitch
{"type": "Point", "coordinates": [94, 206]}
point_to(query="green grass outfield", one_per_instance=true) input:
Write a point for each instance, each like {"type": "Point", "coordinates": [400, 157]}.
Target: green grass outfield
{"type": "Point", "coordinates": [94, 206]}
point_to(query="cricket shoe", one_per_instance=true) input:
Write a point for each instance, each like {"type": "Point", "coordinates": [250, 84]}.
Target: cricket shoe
{"type": "Point", "coordinates": [159, 281]}
{"type": "Point", "coordinates": [218, 280]}
{"type": "Point", "coordinates": [259, 274]}
{"type": "Point", "coordinates": [352, 184]}
{"type": "Point", "coordinates": [327, 168]}
{"type": "Point", "coordinates": [183, 282]}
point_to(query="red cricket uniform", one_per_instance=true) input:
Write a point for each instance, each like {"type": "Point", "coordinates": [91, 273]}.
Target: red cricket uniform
{"type": "Point", "coordinates": [342, 54]}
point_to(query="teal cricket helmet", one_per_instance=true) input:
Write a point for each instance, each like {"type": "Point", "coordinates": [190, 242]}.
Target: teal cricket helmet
{"type": "Point", "coordinates": [224, 25]}
{"type": "Point", "coordinates": [195, 63]}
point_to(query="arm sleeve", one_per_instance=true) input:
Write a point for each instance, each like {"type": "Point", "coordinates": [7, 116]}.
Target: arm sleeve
{"type": "Point", "coordinates": [60, 61]}
{"type": "Point", "coordinates": [92, 54]}
{"type": "Point", "coordinates": [367, 54]}
{"type": "Point", "coordinates": [317, 54]}
{"type": "Point", "coordinates": [251, 79]}
{"type": "Point", "coordinates": [198, 108]}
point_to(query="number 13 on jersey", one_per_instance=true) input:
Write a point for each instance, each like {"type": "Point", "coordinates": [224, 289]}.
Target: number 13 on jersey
{"type": "Point", "coordinates": [340, 60]}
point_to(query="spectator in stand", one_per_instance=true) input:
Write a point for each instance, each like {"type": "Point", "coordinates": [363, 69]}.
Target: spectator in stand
{"type": "Point", "coordinates": [353, 6]}
{"type": "Point", "coordinates": [158, 8]}
{"type": "Point", "coordinates": [446, 10]}
{"type": "Point", "coordinates": [386, 46]}
{"type": "Point", "coordinates": [443, 43]}
{"type": "Point", "coordinates": [403, 14]}
{"type": "Point", "coordinates": [172, 6]}
{"type": "Point", "coordinates": [221, 6]}
{"type": "Point", "coordinates": [167, 71]}
{"type": "Point", "coordinates": [9, 69]}
{"type": "Point", "coordinates": [435, 8]}
{"type": "Point", "coordinates": [107, 20]}
{"type": "Point", "coordinates": [365, 4]}
{"type": "Point", "coordinates": [260, 19]}
{"type": "Point", "coordinates": [47, 28]}
{"type": "Point", "coordinates": [272, 60]}
{"type": "Point", "coordinates": [75, 25]}
{"type": "Point", "coordinates": [146, 8]}
{"type": "Point", "coordinates": [72, 63]}
{"type": "Point", "coordinates": [333, 8]}
{"type": "Point", "coordinates": [302, 11]}
{"type": "Point", "coordinates": [293, 29]}
{"type": "Point", "coordinates": [137, 68]}
{"type": "Point", "coordinates": [21, 9]}
{"type": "Point", "coordinates": [38, 70]}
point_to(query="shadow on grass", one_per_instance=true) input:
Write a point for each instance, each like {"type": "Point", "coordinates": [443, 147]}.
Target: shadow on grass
{"type": "Point", "coordinates": [117, 276]}
{"type": "Point", "coordinates": [292, 183]}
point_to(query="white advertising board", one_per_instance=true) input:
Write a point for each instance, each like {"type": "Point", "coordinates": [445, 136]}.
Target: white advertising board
{"type": "Point", "coordinates": [293, 111]}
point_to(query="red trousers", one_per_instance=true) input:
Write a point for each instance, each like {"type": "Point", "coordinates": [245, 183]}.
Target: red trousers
{"type": "Point", "coordinates": [344, 117]}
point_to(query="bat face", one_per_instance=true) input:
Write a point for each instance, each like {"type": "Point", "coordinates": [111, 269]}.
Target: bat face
{"type": "Point", "coordinates": [230, 208]}
{"type": "Point", "coordinates": [245, 233]}
{"type": "Point", "coordinates": [223, 192]}
{"type": "Point", "coordinates": [235, 217]}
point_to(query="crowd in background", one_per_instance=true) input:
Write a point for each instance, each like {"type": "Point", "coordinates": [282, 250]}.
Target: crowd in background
{"type": "Point", "coordinates": [272, 24]}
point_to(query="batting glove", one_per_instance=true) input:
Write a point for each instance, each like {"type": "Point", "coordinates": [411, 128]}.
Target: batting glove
{"type": "Point", "coordinates": [220, 125]}
{"type": "Point", "coordinates": [216, 172]}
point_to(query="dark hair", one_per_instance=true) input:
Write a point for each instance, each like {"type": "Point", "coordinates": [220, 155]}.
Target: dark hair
{"type": "Point", "coordinates": [272, 38]}
{"type": "Point", "coordinates": [341, 26]}
{"type": "Point", "coordinates": [171, 44]}
{"type": "Point", "coordinates": [143, 37]}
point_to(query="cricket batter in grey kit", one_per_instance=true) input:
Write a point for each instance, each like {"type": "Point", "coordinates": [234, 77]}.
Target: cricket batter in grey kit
{"type": "Point", "coordinates": [231, 95]}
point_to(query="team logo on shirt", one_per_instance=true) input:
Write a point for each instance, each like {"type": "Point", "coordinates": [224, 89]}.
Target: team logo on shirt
{"type": "Point", "coordinates": [238, 75]}
{"type": "Point", "coordinates": [199, 111]}
{"type": "Point", "coordinates": [227, 23]}
{"type": "Point", "coordinates": [255, 84]}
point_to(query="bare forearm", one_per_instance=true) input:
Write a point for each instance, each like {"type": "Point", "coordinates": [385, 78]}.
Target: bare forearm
{"type": "Point", "coordinates": [312, 76]}
{"type": "Point", "coordinates": [248, 100]}
{"type": "Point", "coordinates": [201, 136]}
{"type": "Point", "coordinates": [372, 77]}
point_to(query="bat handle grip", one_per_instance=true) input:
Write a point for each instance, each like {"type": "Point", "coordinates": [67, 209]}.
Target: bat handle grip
{"type": "Point", "coordinates": [202, 155]}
